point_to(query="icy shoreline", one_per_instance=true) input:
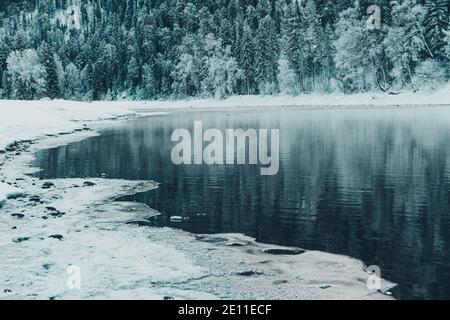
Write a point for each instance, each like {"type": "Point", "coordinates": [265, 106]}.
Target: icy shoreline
{"type": "Point", "coordinates": [440, 97]}
{"type": "Point", "coordinates": [71, 223]}
{"type": "Point", "coordinates": [27, 120]}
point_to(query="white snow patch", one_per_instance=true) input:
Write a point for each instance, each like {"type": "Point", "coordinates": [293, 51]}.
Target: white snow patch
{"type": "Point", "coordinates": [27, 120]}
{"type": "Point", "coordinates": [8, 192]}
{"type": "Point", "coordinates": [439, 97]}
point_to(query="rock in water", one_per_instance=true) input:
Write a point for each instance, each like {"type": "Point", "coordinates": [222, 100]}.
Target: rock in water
{"type": "Point", "coordinates": [249, 273]}
{"type": "Point", "coordinates": [284, 251]}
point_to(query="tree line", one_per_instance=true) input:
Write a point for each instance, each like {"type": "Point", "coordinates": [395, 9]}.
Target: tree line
{"type": "Point", "coordinates": [158, 49]}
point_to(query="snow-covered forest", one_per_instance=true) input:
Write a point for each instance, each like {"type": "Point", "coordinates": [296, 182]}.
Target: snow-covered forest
{"type": "Point", "coordinates": [158, 49]}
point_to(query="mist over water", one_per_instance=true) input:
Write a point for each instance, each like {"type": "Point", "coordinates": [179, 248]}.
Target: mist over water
{"type": "Point", "coordinates": [371, 184]}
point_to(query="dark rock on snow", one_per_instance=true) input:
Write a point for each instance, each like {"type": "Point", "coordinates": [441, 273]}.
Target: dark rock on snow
{"type": "Point", "coordinates": [284, 251]}
{"type": "Point", "coordinates": [249, 273]}
{"type": "Point", "coordinates": [35, 198]}
{"type": "Point", "coordinates": [56, 236]}
{"type": "Point", "coordinates": [48, 185]}
{"type": "Point", "coordinates": [21, 239]}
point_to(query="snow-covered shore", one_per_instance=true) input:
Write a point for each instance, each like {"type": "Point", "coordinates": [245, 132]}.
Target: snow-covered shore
{"type": "Point", "coordinates": [27, 120]}
{"type": "Point", "coordinates": [43, 231]}
{"type": "Point", "coordinates": [23, 120]}
{"type": "Point", "coordinates": [440, 97]}
{"type": "Point", "coordinates": [76, 222]}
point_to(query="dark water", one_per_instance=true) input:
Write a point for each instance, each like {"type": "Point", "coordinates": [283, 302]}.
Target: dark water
{"type": "Point", "coordinates": [372, 184]}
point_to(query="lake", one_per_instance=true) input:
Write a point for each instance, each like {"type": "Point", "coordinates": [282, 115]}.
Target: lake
{"type": "Point", "coordinates": [373, 184]}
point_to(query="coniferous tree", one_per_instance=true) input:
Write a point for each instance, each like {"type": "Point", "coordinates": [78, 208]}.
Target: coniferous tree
{"type": "Point", "coordinates": [134, 74]}
{"type": "Point", "coordinates": [245, 54]}
{"type": "Point", "coordinates": [436, 24]}
{"type": "Point", "coordinates": [266, 56]}
{"type": "Point", "coordinates": [115, 40]}
{"type": "Point", "coordinates": [292, 39]}
{"type": "Point", "coordinates": [48, 61]}
{"type": "Point", "coordinates": [148, 89]}
{"type": "Point", "coordinates": [355, 61]}
{"type": "Point", "coordinates": [405, 42]}
{"type": "Point", "coordinates": [4, 52]}
{"type": "Point", "coordinates": [286, 77]}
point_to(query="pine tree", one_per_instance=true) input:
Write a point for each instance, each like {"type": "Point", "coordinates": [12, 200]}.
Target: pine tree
{"type": "Point", "coordinates": [163, 34]}
{"type": "Point", "coordinates": [292, 41]}
{"type": "Point", "coordinates": [148, 90]}
{"type": "Point", "coordinates": [287, 78]}
{"type": "Point", "coordinates": [129, 14]}
{"type": "Point", "coordinates": [357, 52]}
{"type": "Point", "coordinates": [245, 56]}
{"type": "Point", "coordinates": [447, 46]}
{"type": "Point", "coordinates": [47, 58]}
{"type": "Point", "coordinates": [87, 78]}
{"type": "Point", "coordinates": [134, 73]}
{"type": "Point", "coordinates": [266, 56]}
{"type": "Point", "coordinates": [4, 52]}
{"type": "Point", "coordinates": [405, 42]}
{"type": "Point", "coordinates": [324, 59]}
{"type": "Point", "coordinates": [313, 34]}
{"type": "Point", "coordinates": [436, 24]}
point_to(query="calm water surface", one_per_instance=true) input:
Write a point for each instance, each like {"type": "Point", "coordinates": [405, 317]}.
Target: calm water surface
{"type": "Point", "coordinates": [372, 184]}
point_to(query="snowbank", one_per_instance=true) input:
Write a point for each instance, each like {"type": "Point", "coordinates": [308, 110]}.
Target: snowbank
{"type": "Point", "coordinates": [440, 97]}
{"type": "Point", "coordinates": [27, 120]}
{"type": "Point", "coordinates": [8, 192]}
{"type": "Point", "coordinates": [82, 232]}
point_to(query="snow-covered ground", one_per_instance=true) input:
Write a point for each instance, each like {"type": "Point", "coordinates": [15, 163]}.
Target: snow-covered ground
{"type": "Point", "coordinates": [439, 97]}
{"type": "Point", "coordinates": [43, 231]}
{"type": "Point", "coordinates": [32, 119]}
{"type": "Point", "coordinates": [8, 192]}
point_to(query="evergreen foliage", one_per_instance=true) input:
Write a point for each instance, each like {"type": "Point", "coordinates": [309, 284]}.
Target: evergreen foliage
{"type": "Point", "coordinates": [158, 49]}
